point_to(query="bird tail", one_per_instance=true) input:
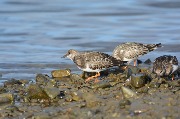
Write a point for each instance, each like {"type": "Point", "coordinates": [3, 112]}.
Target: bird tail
{"type": "Point", "coordinates": [152, 47]}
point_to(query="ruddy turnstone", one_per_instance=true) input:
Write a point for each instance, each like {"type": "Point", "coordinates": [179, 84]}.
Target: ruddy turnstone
{"type": "Point", "coordinates": [132, 51]}
{"type": "Point", "coordinates": [91, 61]}
{"type": "Point", "coordinates": [165, 65]}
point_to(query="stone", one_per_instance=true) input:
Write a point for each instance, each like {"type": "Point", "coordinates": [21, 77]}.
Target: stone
{"type": "Point", "coordinates": [148, 61]}
{"type": "Point", "coordinates": [52, 92]}
{"type": "Point", "coordinates": [6, 98]}
{"type": "Point", "coordinates": [75, 78]}
{"type": "Point", "coordinates": [128, 93]}
{"type": "Point", "coordinates": [61, 73]}
{"type": "Point", "coordinates": [138, 80]}
{"type": "Point", "coordinates": [42, 79]}
{"type": "Point", "coordinates": [12, 82]}
{"type": "Point", "coordinates": [34, 91]}
{"type": "Point", "coordinates": [101, 84]}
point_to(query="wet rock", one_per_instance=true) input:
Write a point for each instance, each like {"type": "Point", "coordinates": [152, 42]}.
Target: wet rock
{"type": "Point", "coordinates": [129, 72]}
{"type": "Point", "coordinates": [41, 115]}
{"type": "Point", "coordinates": [12, 108]}
{"type": "Point", "coordinates": [164, 85]}
{"type": "Point", "coordinates": [51, 83]}
{"type": "Point", "coordinates": [6, 98]}
{"type": "Point", "coordinates": [52, 92]}
{"type": "Point", "coordinates": [139, 61]}
{"type": "Point", "coordinates": [2, 89]}
{"type": "Point", "coordinates": [120, 77]}
{"type": "Point", "coordinates": [152, 75]}
{"type": "Point", "coordinates": [61, 95]}
{"type": "Point", "coordinates": [146, 70]}
{"type": "Point", "coordinates": [68, 98]}
{"type": "Point", "coordinates": [76, 96]}
{"type": "Point", "coordinates": [42, 79]}
{"type": "Point", "coordinates": [133, 69]}
{"type": "Point", "coordinates": [24, 81]}
{"type": "Point", "coordinates": [124, 102]}
{"type": "Point", "coordinates": [101, 84]}
{"type": "Point", "coordinates": [75, 78]}
{"type": "Point", "coordinates": [61, 73]}
{"type": "Point", "coordinates": [138, 80]}
{"type": "Point", "coordinates": [12, 82]}
{"type": "Point", "coordinates": [34, 91]}
{"type": "Point", "coordinates": [91, 100]}
{"type": "Point", "coordinates": [154, 84]}
{"type": "Point", "coordinates": [151, 91]}
{"type": "Point", "coordinates": [148, 61]}
{"type": "Point", "coordinates": [143, 89]}
{"type": "Point", "coordinates": [175, 83]}
{"type": "Point", "coordinates": [128, 93]}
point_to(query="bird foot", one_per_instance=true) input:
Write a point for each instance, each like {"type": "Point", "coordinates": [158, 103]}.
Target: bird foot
{"type": "Point", "coordinates": [96, 80]}
{"type": "Point", "coordinates": [90, 78]}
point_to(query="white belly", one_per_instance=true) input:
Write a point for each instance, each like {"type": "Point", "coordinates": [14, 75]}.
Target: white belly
{"type": "Point", "coordinates": [90, 70]}
{"type": "Point", "coordinates": [175, 67]}
{"type": "Point", "coordinates": [128, 60]}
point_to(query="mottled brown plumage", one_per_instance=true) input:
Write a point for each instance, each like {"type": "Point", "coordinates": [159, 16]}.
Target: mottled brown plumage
{"type": "Point", "coordinates": [132, 51]}
{"type": "Point", "coordinates": [92, 61]}
{"type": "Point", "coordinates": [165, 65]}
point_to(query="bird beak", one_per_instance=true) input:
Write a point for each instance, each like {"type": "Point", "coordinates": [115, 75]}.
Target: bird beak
{"type": "Point", "coordinates": [64, 56]}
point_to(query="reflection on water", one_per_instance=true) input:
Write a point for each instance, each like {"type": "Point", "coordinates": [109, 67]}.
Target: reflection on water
{"type": "Point", "coordinates": [39, 32]}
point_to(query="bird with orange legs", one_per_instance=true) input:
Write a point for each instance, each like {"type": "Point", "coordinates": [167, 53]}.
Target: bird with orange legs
{"type": "Point", "coordinates": [91, 61]}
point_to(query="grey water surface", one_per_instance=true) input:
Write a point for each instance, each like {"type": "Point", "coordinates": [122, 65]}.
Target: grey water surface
{"type": "Point", "coordinates": [35, 34]}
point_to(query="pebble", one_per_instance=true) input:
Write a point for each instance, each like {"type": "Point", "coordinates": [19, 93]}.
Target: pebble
{"type": "Point", "coordinates": [128, 93]}
{"type": "Point", "coordinates": [61, 73]}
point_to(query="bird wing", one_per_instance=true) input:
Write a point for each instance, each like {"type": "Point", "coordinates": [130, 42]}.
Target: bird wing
{"type": "Point", "coordinates": [97, 60]}
{"type": "Point", "coordinates": [134, 51]}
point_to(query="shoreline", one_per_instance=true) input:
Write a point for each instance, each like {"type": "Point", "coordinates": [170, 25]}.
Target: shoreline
{"type": "Point", "coordinates": [64, 94]}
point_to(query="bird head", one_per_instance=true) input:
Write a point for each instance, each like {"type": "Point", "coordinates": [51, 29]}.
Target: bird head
{"type": "Point", "coordinates": [174, 61]}
{"type": "Point", "coordinates": [71, 54]}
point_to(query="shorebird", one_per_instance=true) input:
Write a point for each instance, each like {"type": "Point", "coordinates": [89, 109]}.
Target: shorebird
{"type": "Point", "coordinates": [165, 65]}
{"type": "Point", "coordinates": [91, 61]}
{"type": "Point", "coordinates": [132, 51]}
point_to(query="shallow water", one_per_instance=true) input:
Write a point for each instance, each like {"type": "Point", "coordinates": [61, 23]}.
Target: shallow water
{"type": "Point", "coordinates": [34, 35]}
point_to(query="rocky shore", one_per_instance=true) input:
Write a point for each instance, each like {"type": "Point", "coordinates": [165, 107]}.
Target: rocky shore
{"type": "Point", "coordinates": [134, 93]}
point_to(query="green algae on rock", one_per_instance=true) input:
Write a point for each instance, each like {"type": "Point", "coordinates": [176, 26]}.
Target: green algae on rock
{"type": "Point", "coordinates": [101, 84]}
{"type": "Point", "coordinates": [6, 98]}
{"type": "Point", "coordinates": [52, 92]}
{"type": "Point", "coordinates": [61, 73]}
{"type": "Point", "coordinates": [76, 79]}
{"type": "Point", "coordinates": [139, 80]}
{"type": "Point", "coordinates": [34, 91]}
{"type": "Point", "coordinates": [42, 79]}
{"type": "Point", "coordinates": [128, 93]}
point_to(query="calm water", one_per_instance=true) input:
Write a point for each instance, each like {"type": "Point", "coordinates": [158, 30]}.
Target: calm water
{"type": "Point", "coordinates": [35, 34]}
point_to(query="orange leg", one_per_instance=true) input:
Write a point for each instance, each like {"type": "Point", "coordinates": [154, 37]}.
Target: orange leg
{"type": "Point", "coordinates": [124, 67]}
{"type": "Point", "coordinates": [135, 62]}
{"type": "Point", "coordinates": [90, 78]}
{"type": "Point", "coordinates": [96, 80]}
{"type": "Point", "coordinates": [172, 77]}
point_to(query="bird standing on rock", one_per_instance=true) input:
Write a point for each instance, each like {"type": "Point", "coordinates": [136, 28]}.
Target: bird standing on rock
{"type": "Point", "coordinates": [165, 65]}
{"type": "Point", "coordinates": [91, 61]}
{"type": "Point", "coordinates": [132, 51]}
